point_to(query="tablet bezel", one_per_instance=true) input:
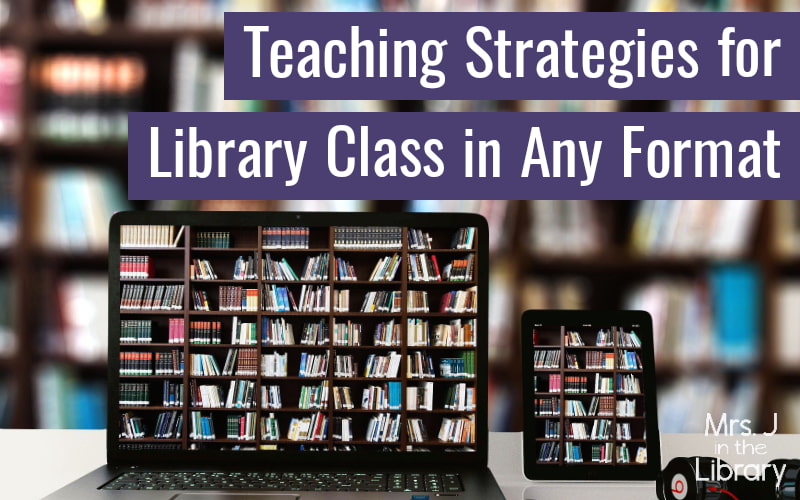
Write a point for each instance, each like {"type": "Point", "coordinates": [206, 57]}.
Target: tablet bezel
{"type": "Point", "coordinates": [589, 471]}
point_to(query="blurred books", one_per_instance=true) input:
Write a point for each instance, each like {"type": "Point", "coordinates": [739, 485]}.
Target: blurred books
{"type": "Point", "coordinates": [6, 400]}
{"type": "Point", "coordinates": [684, 402]}
{"type": "Point", "coordinates": [198, 81]}
{"type": "Point", "coordinates": [12, 67]}
{"type": "Point", "coordinates": [694, 228]}
{"type": "Point", "coordinates": [77, 328]}
{"type": "Point", "coordinates": [542, 106]}
{"type": "Point", "coordinates": [694, 5]}
{"type": "Point", "coordinates": [190, 14]}
{"type": "Point", "coordinates": [79, 14]}
{"type": "Point", "coordinates": [786, 227]}
{"type": "Point", "coordinates": [443, 105]}
{"type": "Point", "coordinates": [7, 303]}
{"type": "Point", "coordinates": [75, 207]}
{"type": "Point", "coordinates": [567, 227]}
{"type": "Point", "coordinates": [87, 97]}
{"type": "Point", "coordinates": [708, 106]}
{"type": "Point", "coordinates": [786, 346]}
{"type": "Point", "coordinates": [64, 401]}
{"type": "Point", "coordinates": [9, 209]}
{"type": "Point", "coordinates": [339, 106]}
{"type": "Point", "coordinates": [717, 320]}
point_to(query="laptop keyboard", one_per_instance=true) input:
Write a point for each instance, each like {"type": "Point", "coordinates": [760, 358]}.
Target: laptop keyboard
{"type": "Point", "coordinates": [288, 481]}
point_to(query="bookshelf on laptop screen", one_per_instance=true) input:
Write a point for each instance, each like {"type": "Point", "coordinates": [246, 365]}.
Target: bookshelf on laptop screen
{"type": "Point", "coordinates": [319, 338]}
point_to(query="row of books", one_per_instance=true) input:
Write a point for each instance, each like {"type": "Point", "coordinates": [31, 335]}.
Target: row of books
{"type": "Point", "coordinates": [462, 367]}
{"type": "Point", "coordinates": [274, 365]}
{"type": "Point", "coordinates": [419, 239]}
{"type": "Point", "coordinates": [12, 74]}
{"type": "Point", "coordinates": [277, 270]}
{"type": "Point", "coordinates": [241, 427]}
{"type": "Point", "coordinates": [310, 428]}
{"type": "Point", "coordinates": [149, 363]}
{"type": "Point", "coordinates": [349, 333]}
{"type": "Point", "coordinates": [284, 237]}
{"type": "Point", "coordinates": [136, 267]}
{"type": "Point", "coordinates": [241, 394]}
{"type": "Point", "coordinates": [201, 427]}
{"type": "Point", "coordinates": [241, 362]}
{"type": "Point", "coordinates": [456, 333]}
{"type": "Point", "coordinates": [601, 430]}
{"type": "Point", "coordinates": [74, 205]}
{"type": "Point", "coordinates": [457, 430]}
{"type": "Point", "coordinates": [152, 297]}
{"type": "Point", "coordinates": [87, 97]}
{"type": "Point", "coordinates": [714, 318]}
{"type": "Point", "coordinates": [138, 394]}
{"type": "Point", "coordinates": [277, 331]}
{"type": "Point", "coordinates": [547, 358]}
{"type": "Point", "coordinates": [314, 397]}
{"type": "Point", "coordinates": [373, 237]}
{"type": "Point", "coordinates": [386, 268]}
{"type": "Point", "coordinates": [714, 228]}
{"type": "Point", "coordinates": [136, 331]}
{"type": "Point", "coordinates": [381, 397]}
{"type": "Point", "coordinates": [144, 236]}
{"type": "Point", "coordinates": [9, 193]}
{"type": "Point", "coordinates": [600, 360]}
{"type": "Point", "coordinates": [237, 298]}
{"type": "Point", "coordinates": [206, 332]}
{"type": "Point", "coordinates": [213, 239]}
{"type": "Point", "coordinates": [201, 269]}
{"type": "Point", "coordinates": [280, 299]}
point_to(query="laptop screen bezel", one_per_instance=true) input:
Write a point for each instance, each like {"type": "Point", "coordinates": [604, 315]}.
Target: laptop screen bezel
{"type": "Point", "coordinates": [115, 456]}
{"type": "Point", "coordinates": [590, 472]}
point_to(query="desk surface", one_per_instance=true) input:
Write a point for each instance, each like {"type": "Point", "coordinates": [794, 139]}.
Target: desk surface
{"type": "Point", "coordinates": [34, 463]}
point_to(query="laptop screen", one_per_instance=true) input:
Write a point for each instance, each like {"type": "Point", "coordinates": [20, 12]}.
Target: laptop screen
{"type": "Point", "coordinates": [344, 333]}
{"type": "Point", "coordinates": [589, 385]}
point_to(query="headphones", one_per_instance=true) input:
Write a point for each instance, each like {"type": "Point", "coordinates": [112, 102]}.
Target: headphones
{"type": "Point", "coordinates": [678, 481]}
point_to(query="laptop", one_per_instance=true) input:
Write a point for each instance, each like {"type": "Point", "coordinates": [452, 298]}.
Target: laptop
{"type": "Point", "coordinates": [295, 355]}
{"type": "Point", "coordinates": [590, 418]}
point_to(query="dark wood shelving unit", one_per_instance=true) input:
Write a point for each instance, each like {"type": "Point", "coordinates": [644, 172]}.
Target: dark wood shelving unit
{"type": "Point", "coordinates": [563, 395]}
{"type": "Point", "coordinates": [290, 384]}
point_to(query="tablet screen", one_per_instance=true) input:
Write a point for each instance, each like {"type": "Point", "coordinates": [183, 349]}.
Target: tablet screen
{"type": "Point", "coordinates": [589, 395]}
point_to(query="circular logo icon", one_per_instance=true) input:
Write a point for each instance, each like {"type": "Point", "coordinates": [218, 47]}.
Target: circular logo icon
{"type": "Point", "coordinates": [679, 488]}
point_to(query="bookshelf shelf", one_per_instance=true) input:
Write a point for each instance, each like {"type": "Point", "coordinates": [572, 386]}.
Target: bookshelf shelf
{"type": "Point", "coordinates": [224, 282]}
{"type": "Point", "coordinates": [122, 35]}
{"type": "Point", "coordinates": [154, 312]}
{"type": "Point", "coordinates": [245, 250]}
{"type": "Point", "coordinates": [150, 408]}
{"type": "Point", "coordinates": [149, 440]}
{"type": "Point", "coordinates": [152, 280]}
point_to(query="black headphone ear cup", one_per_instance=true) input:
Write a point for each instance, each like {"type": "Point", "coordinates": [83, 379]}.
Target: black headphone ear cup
{"type": "Point", "coordinates": [787, 488]}
{"type": "Point", "coordinates": [678, 481]}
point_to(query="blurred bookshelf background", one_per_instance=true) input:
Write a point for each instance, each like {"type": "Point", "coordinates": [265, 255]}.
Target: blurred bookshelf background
{"type": "Point", "coordinates": [721, 278]}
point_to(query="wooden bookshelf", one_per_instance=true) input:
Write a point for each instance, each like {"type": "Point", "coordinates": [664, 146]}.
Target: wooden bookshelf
{"type": "Point", "coordinates": [553, 339]}
{"type": "Point", "coordinates": [290, 385]}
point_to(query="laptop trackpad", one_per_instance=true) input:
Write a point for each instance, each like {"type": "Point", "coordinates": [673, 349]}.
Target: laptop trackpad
{"type": "Point", "coordinates": [234, 496]}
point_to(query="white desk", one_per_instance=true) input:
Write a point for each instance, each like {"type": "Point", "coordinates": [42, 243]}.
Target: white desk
{"type": "Point", "coordinates": [34, 463]}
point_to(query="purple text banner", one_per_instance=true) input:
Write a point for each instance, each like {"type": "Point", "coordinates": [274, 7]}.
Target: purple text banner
{"type": "Point", "coordinates": [322, 156]}
{"type": "Point", "coordinates": [512, 56]}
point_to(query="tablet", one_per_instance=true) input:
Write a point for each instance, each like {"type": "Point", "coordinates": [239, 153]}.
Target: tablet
{"type": "Point", "coordinates": [589, 396]}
